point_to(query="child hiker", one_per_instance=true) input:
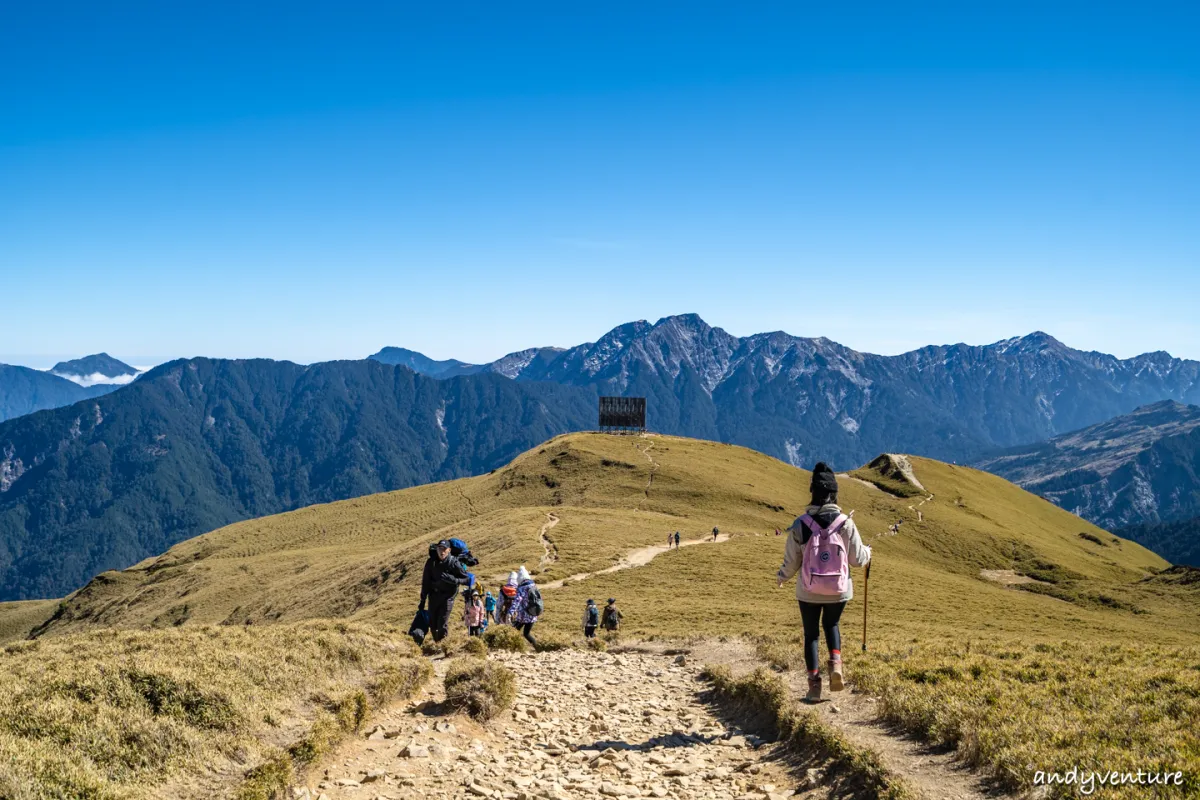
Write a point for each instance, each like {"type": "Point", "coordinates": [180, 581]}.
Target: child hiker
{"type": "Point", "coordinates": [473, 613]}
{"type": "Point", "coordinates": [821, 546]}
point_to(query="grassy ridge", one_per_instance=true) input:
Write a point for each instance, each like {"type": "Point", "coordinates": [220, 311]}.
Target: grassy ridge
{"type": "Point", "coordinates": [128, 714]}
{"type": "Point", "coordinates": [361, 559]}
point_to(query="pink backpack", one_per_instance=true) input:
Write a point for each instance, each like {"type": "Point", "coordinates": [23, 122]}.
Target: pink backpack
{"type": "Point", "coordinates": [825, 568]}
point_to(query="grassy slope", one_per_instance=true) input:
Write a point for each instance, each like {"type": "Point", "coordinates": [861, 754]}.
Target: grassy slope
{"type": "Point", "coordinates": [360, 559]}
{"type": "Point", "coordinates": [134, 714]}
{"type": "Point", "coordinates": [18, 618]}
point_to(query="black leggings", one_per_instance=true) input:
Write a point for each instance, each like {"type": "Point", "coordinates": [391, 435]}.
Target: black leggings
{"type": "Point", "coordinates": [811, 613]}
{"type": "Point", "coordinates": [525, 631]}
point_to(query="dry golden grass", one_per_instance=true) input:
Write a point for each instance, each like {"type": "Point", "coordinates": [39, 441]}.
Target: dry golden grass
{"type": "Point", "coordinates": [131, 714]}
{"type": "Point", "coordinates": [18, 618]}
{"type": "Point", "coordinates": [1013, 709]}
{"type": "Point", "coordinates": [361, 560]}
{"type": "Point", "coordinates": [480, 688]}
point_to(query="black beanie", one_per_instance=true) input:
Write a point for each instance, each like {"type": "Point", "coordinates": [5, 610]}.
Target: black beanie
{"type": "Point", "coordinates": [824, 485]}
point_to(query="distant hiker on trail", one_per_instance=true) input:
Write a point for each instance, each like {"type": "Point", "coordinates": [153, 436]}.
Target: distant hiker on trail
{"type": "Point", "coordinates": [527, 605]}
{"type": "Point", "coordinates": [822, 546]}
{"type": "Point", "coordinates": [508, 593]}
{"type": "Point", "coordinates": [612, 616]}
{"type": "Point", "coordinates": [777, 532]}
{"type": "Point", "coordinates": [715, 532]}
{"type": "Point", "coordinates": [489, 608]}
{"type": "Point", "coordinates": [670, 538]}
{"type": "Point", "coordinates": [473, 613]}
{"type": "Point", "coordinates": [591, 619]}
{"type": "Point", "coordinates": [440, 579]}
{"type": "Point", "coordinates": [676, 540]}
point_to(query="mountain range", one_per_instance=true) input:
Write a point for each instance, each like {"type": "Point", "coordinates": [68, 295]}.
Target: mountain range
{"type": "Point", "coordinates": [803, 400]}
{"type": "Point", "coordinates": [196, 444]}
{"type": "Point", "coordinates": [1137, 468]}
{"type": "Point", "coordinates": [24, 391]}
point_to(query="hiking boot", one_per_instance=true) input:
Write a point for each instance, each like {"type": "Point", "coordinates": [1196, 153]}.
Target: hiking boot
{"type": "Point", "coordinates": [814, 689]}
{"type": "Point", "coordinates": [836, 684]}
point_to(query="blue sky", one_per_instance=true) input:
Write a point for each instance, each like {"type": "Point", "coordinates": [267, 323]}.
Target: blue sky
{"type": "Point", "coordinates": [311, 181]}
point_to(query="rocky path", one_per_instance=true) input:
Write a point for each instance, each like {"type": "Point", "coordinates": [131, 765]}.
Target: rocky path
{"type": "Point", "coordinates": [585, 725]}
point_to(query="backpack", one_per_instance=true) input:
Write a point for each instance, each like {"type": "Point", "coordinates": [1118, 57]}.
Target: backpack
{"type": "Point", "coordinates": [593, 616]}
{"type": "Point", "coordinates": [420, 626]}
{"type": "Point", "coordinates": [534, 606]}
{"type": "Point", "coordinates": [825, 568]}
{"type": "Point", "coordinates": [458, 549]}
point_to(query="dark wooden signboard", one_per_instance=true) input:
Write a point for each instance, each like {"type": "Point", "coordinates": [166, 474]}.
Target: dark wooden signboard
{"type": "Point", "coordinates": [619, 414]}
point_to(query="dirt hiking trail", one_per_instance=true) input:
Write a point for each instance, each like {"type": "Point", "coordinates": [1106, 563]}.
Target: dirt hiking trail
{"type": "Point", "coordinates": [935, 773]}
{"type": "Point", "coordinates": [635, 558]}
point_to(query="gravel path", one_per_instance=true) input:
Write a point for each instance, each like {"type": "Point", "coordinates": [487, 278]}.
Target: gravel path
{"type": "Point", "coordinates": [585, 725]}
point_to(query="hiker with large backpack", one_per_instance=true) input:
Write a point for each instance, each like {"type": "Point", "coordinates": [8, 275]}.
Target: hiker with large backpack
{"type": "Point", "coordinates": [591, 619]}
{"type": "Point", "coordinates": [821, 546]}
{"type": "Point", "coordinates": [527, 605]}
{"type": "Point", "coordinates": [442, 576]}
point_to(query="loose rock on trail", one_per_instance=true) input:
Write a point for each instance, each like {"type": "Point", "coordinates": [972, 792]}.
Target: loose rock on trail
{"type": "Point", "coordinates": [585, 725]}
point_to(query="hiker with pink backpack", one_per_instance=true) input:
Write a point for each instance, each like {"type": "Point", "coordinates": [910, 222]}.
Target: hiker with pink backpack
{"type": "Point", "coordinates": [822, 545]}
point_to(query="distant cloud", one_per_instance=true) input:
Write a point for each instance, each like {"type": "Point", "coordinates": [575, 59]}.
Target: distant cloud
{"type": "Point", "coordinates": [97, 378]}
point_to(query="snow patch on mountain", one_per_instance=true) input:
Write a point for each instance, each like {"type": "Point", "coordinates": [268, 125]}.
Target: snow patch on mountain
{"type": "Point", "coordinates": [792, 448]}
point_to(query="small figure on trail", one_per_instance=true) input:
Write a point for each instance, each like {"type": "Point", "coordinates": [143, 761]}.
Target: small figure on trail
{"type": "Point", "coordinates": [612, 616]}
{"type": "Point", "coordinates": [440, 579]}
{"type": "Point", "coordinates": [715, 532]}
{"type": "Point", "coordinates": [676, 540]}
{"type": "Point", "coordinates": [670, 538]}
{"type": "Point", "coordinates": [777, 532]}
{"type": "Point", "coordinates": [591, 619]}
{"type": "Point", "coordinates": [508, 593]}
{"type": "Point", "coordinates": [489, 609]}
{"type": "Point", "coordinates": [822, 546]}
{"type": "Point", "coordinates": [473, 613]}
{"type": "Point", "coordinates": [527, 605]}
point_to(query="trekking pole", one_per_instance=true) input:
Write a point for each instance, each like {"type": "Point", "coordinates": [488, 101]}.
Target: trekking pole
{"type": "Point", "coordinates": [866, 589]}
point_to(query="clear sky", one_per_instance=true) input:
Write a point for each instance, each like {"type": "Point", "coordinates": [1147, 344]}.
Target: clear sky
{"type": "Point", "coordinates": [315, 181]}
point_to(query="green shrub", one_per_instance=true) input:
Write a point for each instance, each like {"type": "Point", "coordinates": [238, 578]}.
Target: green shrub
{"type": "Point", "coordinates": [505, 637]}
{"type": "Point", "coordinates": [480, 688]}
{"type": "Point", "coordinates": [475, 646]}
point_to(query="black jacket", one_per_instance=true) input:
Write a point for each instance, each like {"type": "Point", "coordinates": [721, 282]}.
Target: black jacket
{"type": "Point", "coordinates": [442, 578]}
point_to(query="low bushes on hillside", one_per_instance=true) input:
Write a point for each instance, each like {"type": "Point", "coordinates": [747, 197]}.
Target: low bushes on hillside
{"type": "Point", "coordinates": [116, 713]}
{"type": "Point", "coordinates": [505, 637]}
{"type": "Point", "coordinates": [481, 688]}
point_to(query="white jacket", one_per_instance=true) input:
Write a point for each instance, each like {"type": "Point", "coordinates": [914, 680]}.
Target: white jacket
{"type": "Point", "coordinates": [793, 555]}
